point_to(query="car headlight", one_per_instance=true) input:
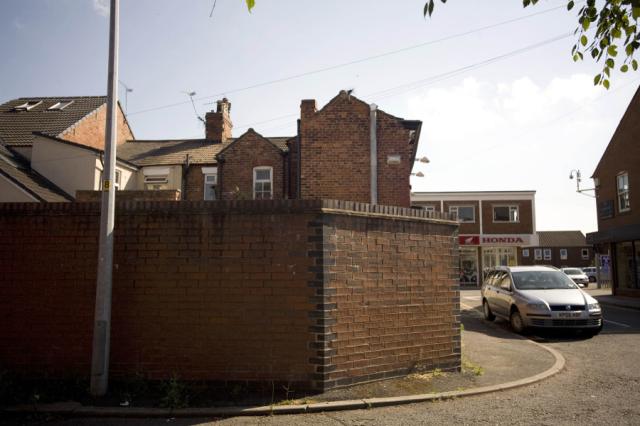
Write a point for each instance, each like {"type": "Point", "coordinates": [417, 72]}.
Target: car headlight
{"type": "Point", "coordinates": [594, 306]}
{"type": "Point", "coordinates": [538, 306]}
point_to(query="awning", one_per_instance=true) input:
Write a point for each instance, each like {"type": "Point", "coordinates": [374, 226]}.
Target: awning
{"type": "Point", "coordinates": [614, 235]}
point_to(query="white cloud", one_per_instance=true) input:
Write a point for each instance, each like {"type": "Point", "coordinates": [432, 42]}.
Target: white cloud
{"type": "Point", "coordinates": [515, 135]}
{"type": "Point", "coordinates": [101, 7]}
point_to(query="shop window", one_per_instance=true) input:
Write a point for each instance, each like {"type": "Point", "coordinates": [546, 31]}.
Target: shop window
{"type": "Point", "coordinates": [262, 183]}
{"type": "Point", "coordinates": [509, 214]}
{"type": "Point", "coordinates": [537, 253]}
{"type": "Point", "coordinates": [525, 252]}
{"type": "Point", "coordinates": [623, 192]}
{"type": "Point", "coordinates": [547, 254]}
{"type": "Point", "coordinates": [563, 254]}
{"type": "Point", "coordinates": [465, 214]}
{"type": "Point", "coordinates": [585, 253]}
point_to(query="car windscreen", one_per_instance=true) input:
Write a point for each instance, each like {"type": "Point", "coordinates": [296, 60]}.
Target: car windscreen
{"type": "Point", "coordinates": [541, 280]}
{"type": "Point", "coordinates": [572, 271]}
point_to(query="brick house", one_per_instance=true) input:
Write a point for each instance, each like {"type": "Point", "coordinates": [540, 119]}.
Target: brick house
{"type": "Point", "coordinates": [560, 249]}
{"type": "Point", "coordinates": [50, 147]}
{"type": "Point", "coordinates": [329, 157]}
{"type": "Point", "coordinates": [617, 183]}
{"type": "Point", "coordinates": [495, 227]}
{"type": "Point", "coordinates": [60, 140]}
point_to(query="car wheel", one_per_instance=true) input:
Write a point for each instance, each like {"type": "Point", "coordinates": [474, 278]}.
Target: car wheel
{"type": "Point", "coordinates": [486, 310]}
{"type": "Point", "coordinates": [517, 324]}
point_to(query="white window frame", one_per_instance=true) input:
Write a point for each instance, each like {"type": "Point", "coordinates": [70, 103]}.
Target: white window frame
{"type": "Point", "coordinates": [27, 105]}
{"type": "Point", "coordinates": [59, 106]}
{"type": "Point", "coordinates": [429, 209]}
{"type": "Point", "coordinates": [582, 253]}
{"type": "Point", "coordinates": [454, 209]}
{"type": "Point", "coordinates": [564, 254]}
{"type": "Point", "coordinates": [537, 253]}
{"type": "Point", "coordinates": [622, 192]}
{"type": "Point", "coordinates": [255, 180]}
{"type": "Point", "coordinates": [547, 254]}
{"type": "Point", "coordinates": [155, 182]}
{"type": "Point", "coordinates": [117, 179]}
{"type": "Point", "coordinates": [525, 252]}
{"type": "Point", "coordinates": [511, 208]}
{"type": "Point", "coordinates": [206, 178]}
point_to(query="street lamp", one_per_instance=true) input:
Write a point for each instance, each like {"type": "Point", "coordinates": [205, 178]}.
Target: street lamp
{"type": "Point", "coordinates": [576, 173]}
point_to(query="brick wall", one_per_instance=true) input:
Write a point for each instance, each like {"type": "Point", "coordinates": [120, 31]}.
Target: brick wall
{"type": "Point", "coordinates": [574, 257]}
{"type": "Point", "coordinates": [90, 130]}
{"type": "Point", "coordinates": [335, 153]}
{"type": "Point", "coordinates": [390, 299]}
{"type": "Point", "coordinates": [194, 182]}
{"type": "Point", "coordinates": [238, 161]}
{"type": "Point", "coordinates": [523, 226]}
{"type": "Point", "coordinates": [316, 293]}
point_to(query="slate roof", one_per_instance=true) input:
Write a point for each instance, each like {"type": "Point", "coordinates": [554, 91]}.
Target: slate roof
{"type": "Point", "coordinates": [170, 152]}
{"type": "Point", "coordinates": [562, 239]}
{"type": "Point", "coordinates": [18, 171]}
{"type": "Point", "coordinates": [16, 127]}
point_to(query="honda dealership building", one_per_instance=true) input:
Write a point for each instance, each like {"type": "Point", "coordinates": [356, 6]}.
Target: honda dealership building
{"type": "Point", "coordinates": [496, 227]}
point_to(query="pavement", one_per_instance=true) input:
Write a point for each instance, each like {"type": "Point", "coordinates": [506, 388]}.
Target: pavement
{"type": "Point", "coordinates": [493, 359]}
{"type": "Point", "coordinates": [605, 297]}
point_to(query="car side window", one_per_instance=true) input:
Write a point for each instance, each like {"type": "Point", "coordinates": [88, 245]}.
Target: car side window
{"type": "Point", "coordinates": [505, 282]}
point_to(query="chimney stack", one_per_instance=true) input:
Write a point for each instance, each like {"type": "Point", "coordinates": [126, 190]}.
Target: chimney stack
{"type": "Point", "coordinates": [218, 123]}
{"type": "Point", "coordinates": [307, 108]}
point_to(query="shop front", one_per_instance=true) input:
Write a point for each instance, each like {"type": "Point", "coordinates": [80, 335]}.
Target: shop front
{"type": "Point", "coordinates": [479, 253]}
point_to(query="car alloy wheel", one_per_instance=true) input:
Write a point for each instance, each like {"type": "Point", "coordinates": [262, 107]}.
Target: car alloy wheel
{"type": "Point", "coordinates": [516, 322]}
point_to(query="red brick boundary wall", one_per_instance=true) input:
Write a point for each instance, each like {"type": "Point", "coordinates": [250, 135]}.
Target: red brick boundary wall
{"type": "Point", "coordinates": [317, 293]}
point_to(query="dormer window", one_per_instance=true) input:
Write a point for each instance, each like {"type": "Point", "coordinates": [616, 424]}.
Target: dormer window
{"type": "Point", "coordinates": [59, 106]}
{"type": "Point", "coordinates": [27, 106]}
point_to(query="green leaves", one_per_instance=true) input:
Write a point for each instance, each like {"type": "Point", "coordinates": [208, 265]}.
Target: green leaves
{"type": "Point", "coordinates": [250, 4]}
{"type": "Point", "coordinates": [604, 27]}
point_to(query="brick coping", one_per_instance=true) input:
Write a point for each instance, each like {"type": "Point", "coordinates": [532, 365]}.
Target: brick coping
{"type": "Point", "coordinates": [350, 208]}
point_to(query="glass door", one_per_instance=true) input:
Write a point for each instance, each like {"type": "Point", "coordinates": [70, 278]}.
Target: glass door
{"type": "Point", "coordinates": [469, 266]}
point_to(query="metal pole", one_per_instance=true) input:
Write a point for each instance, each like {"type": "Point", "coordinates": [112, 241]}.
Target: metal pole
{"type": "Point", "coordinates": [102, 323]}
{"type": "Point", "coordinates": [374, 153]}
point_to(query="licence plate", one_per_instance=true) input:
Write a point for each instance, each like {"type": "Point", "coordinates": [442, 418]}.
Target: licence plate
{"type": "Point", "coordinates": [569, 314]}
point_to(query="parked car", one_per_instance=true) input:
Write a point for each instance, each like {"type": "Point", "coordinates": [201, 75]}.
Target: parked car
{"type": "Point", "coordinates": [578, 276]}
{"type": "Point", "coordinates": [591, 272]}
{"type": "Point", "coordinates": [538, 297]}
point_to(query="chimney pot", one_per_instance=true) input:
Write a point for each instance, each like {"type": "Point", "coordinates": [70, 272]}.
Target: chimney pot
{"type": "Point", "coordinates": [218, 123]}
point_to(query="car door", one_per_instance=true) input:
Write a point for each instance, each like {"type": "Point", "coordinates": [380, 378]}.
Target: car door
{"type": "Point", "coordinates": [504, 294]}
{"type": "Point", "coordinates": [489, 291]}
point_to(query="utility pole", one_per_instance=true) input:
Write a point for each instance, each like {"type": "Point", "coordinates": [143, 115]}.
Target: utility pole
{"type": "Point", "coordinates": [102, 322]}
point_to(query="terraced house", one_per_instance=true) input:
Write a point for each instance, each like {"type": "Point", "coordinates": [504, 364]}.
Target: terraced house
{"type": "Point", "coordinates": [52, 151]}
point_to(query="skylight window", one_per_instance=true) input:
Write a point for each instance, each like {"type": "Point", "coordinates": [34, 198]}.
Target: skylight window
{"type": "Point", "coordinates": [59, 106]}
{"type": "Point", "coordinates": [27, 106]}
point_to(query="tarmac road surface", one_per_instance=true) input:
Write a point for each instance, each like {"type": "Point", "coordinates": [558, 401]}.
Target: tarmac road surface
{"type": "Point", "coordinates": [599, 385]}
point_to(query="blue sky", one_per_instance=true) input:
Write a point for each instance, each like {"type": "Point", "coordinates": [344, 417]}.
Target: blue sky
{"type": "Point", "coordinates": [519, 123]}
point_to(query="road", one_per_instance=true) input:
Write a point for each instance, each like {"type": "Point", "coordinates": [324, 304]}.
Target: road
{"type": "Point", "coordinates": [600, 385]}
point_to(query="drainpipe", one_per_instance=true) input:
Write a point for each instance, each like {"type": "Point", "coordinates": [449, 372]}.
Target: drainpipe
{"type": "Point", "coordinates": [374, 153]}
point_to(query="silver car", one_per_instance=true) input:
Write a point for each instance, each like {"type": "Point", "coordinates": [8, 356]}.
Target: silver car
{"type": "Point", "coordinates": [538, 296]}
{"type": "Point", "coordinates": [578, 276]}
